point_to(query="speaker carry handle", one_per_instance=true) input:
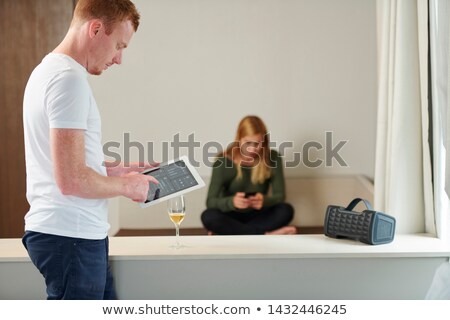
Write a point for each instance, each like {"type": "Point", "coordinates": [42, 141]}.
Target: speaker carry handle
{"type": "Point", "coordinates": [356, 201]}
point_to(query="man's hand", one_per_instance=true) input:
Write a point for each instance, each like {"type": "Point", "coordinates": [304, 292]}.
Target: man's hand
{"type": "Point", "coordinates": [136, 186]}
{"type": "Point", "coordinates": [240, 201]}
{"type": "Point", "coordinates": [118, 169]}
{"type": "Point", "coordinates": [256, 201]}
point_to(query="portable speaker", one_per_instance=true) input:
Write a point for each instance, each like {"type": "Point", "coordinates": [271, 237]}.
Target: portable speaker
{"type": "Point", "coordinates": [369, 226]}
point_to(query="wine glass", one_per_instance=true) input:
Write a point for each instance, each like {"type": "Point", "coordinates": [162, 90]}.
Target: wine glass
{"type": "Point", "coordinates": [176, 211]}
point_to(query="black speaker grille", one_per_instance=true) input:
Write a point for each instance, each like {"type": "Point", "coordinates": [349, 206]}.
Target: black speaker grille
{"type": "Point", "coordinates": [341, 223]}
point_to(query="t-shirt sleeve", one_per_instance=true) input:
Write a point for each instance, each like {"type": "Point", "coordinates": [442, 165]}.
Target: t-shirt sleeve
{"type": "Point", "coordinates": [215, 198]}
{"type": "Point", "coordinates": [277, 181]}
{"type": "Point", "coordinates": [67, 101]}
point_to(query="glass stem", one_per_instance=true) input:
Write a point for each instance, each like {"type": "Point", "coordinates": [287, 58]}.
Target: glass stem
{"type": "Point", "coordinates": [177, 235]}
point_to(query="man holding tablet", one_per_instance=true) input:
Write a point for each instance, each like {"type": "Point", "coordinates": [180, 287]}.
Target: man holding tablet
{"type": "Point", "coordinates": [67, 181]}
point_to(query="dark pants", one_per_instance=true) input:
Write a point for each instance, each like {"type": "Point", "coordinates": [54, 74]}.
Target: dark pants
{"type": "Point", "coordinates": [253, 222]}
{"type": "Point", "coordinates": [75, 269]}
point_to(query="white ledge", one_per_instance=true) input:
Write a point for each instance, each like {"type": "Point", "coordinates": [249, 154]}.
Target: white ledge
{"type": "Point", "coordinates": [254, 247]}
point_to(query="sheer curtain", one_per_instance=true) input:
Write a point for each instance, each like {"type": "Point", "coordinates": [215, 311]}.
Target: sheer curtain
{"type": "Point", "coordinates": [440, 88]}
{"type": "Point", "coordinates": [406, 185]}
{"type": "Point", "coordinates": [403, 178]}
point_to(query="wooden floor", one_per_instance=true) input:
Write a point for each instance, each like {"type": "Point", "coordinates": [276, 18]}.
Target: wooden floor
{"type": "Point", "coordinates": [194, 232]}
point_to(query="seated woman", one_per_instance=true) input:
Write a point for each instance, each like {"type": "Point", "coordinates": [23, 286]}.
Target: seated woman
{"type": "Point", "coordinates": [238, 198]}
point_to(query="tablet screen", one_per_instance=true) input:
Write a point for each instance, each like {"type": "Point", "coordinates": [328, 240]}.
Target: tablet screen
{"type": "Point", "coordinates": [174, 177]}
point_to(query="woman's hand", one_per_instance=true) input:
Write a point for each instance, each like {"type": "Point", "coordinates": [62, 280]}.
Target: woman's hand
{"type": "Point", "coordinates": [240, 201]}
{"type": "Point", "coordinates": [256, 201]}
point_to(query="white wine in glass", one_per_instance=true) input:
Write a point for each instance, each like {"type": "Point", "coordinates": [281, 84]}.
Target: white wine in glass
{"type": "Point", "coordinates": [176, 211]}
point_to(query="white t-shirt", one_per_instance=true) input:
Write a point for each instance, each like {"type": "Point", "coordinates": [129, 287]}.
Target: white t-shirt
{"type": "Point", "coordinates": [58, 95]}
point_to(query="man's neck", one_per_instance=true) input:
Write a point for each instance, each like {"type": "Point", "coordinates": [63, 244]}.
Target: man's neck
{"type": "Point", "coordinates": [73, 46]}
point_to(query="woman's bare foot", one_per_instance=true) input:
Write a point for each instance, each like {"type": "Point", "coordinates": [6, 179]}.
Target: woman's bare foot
{"type": "Point", "coordinates": [283, 230]}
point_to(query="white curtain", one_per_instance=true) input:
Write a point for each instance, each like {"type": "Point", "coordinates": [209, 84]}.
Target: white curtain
{"type": "Point", "coordinates": [440, 88]}
{"type": "Point", "coordinates": [403, 184]}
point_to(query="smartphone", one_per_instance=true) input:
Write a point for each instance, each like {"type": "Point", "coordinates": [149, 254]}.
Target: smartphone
{"type": "Point", "coordinates": [250, 194]}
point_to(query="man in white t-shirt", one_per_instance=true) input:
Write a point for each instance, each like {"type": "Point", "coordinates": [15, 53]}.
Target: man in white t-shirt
{"type": "Point", "coordinates": [68, 181]}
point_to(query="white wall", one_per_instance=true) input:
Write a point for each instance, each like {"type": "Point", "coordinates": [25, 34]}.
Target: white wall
{"type": "Point", "coordinates": [199, 66]}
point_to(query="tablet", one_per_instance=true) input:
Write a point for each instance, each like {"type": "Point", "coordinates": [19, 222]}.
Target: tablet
{"type": "Point", "coordinates": [175, 177]}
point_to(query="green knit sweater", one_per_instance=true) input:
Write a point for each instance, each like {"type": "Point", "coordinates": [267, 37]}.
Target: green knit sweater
{"type": "Point", "coordinates": [224, 184]}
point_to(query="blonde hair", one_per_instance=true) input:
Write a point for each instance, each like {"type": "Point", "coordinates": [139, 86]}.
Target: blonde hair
{"type": "Point", "coordinates": [252, 125]}
{"type": "Point", "coordinates": [109, 11]}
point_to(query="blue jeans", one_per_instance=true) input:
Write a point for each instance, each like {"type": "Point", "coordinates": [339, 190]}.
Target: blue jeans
{"type": "Point", "coordinates": [75, 269]}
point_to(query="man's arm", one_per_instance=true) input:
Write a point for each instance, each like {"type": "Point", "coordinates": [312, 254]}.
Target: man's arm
{"type": "Point", "coordinates": [115, 168]}
{"type": "Point", "coordinates": [74, 178]}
